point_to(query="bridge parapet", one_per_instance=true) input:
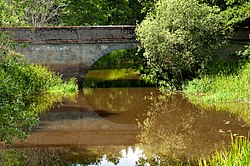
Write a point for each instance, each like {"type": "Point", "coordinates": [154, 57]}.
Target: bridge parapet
{"type": "Point", "coordinates": [73, 34]}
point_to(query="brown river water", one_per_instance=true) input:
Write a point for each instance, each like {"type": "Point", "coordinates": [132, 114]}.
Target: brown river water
{"type": "Point", "coordinates": [124, 126]}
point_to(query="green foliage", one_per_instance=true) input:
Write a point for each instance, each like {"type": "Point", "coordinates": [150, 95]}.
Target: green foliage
{"type": "Point", "coordinates": [120, 59]}
{"type": "Point", "coordinates": [113, 79]}
{"type": "Point", "coordinates": [148, 5]}
{"type": "Point", "coordinates": [117, 69]}
{"type": "Point", "coordinates": [237, 155]}
{"type": "Point", "coordinates": [30, 12]}
{"type": "Point", "coordinates": [102, 12]}
{"type": "Point", "coordinates": [227, 90]}
{"type": "Point", "coordinates": [6, 44]}
{"type": "Point", "coordinates": [69, 12]}
{"type": "Point", "coordinates": [21, 87]}
{"type": "Point", "coordinates": [8, 16]}
{"type": "Point", "coordinates": [180, 38]}
{"type": "Point", "coordinates": [236, 13]}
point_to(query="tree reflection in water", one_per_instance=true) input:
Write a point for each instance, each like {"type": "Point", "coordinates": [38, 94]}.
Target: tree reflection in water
{"type": "Point", "coordinates": [63, 156]}
{"type": "Point", "coordinates": [176, 131]}
{"type": "Point", "coordinates": [172, 130]}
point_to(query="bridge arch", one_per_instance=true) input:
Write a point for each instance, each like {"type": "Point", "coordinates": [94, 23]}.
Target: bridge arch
{"type": "Point", "coordinates": [112, 47]}
{"type": "Point", "coordinates": [72, 51]}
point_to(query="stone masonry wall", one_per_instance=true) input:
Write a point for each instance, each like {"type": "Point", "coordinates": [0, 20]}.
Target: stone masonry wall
{"type": "Point", "coordinates": [71, 51]}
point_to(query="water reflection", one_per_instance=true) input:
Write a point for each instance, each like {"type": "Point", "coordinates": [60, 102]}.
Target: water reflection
{"type": "Point", "coordinates": [114, 78]}
{"type": "Point", "coordinates": [71, 156]}
{"type": "Point", "coordinates": [24, 157]}
{"type": "Point", "coordinates": [176, 129]}
{"type": "Point", "coordinates": [27, 115]}
{"type": "Point", "coordinates": [124, 126]}
{"type": "Point", "coordinates": [129, 103]}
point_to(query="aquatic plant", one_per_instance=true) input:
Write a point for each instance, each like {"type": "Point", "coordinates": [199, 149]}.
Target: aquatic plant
{"type": "Point", "coordinates": [237, 155]}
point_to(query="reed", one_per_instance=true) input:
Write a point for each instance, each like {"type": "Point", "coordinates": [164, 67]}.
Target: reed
{"type": "Point", "coordinates": [237, 155]}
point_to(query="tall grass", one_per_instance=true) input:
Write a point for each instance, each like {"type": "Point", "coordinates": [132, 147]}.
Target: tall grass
{"type": "Point", "coordinates": [229, 92]}
{"type": "Point", "coordinates": [237, 155]}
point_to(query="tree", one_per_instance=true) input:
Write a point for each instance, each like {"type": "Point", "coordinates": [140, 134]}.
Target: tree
{"type": "Point", "coordinates": [148, 5]}
{"type": "Point", "coordinates": [31, 12]}
{"type": "Point", "coordinates": [69, 12]}
{"type": "Point", "coordinates": [102, 12]}
{"type": "Point", "coordinates": [26, 90]}
{"type": "Point", "coordinates": [8, 15]}
{"type": "Point", "coordinates": [180, 37]}
{"type": "Point", "coordinates": [42, 12]}
{"type": "Point", "coordinates": [236, 13]}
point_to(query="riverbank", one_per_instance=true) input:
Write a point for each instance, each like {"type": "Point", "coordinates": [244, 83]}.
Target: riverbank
{"type": "Point", "coordinates": [26, 90]}
{"type": "Point", "coordinates": [225, 92]}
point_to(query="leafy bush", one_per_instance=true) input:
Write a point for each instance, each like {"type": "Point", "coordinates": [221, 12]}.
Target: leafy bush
{"type": "Point", "coordinates": [236, 13]}
{"type": "Point", "coordinates": [180, 37]}
{"type": "Point", "coordinates": [20, 87]}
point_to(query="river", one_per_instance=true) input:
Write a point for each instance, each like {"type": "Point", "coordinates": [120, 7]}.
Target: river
{"type": "Point", "coordinates": [123, 122]}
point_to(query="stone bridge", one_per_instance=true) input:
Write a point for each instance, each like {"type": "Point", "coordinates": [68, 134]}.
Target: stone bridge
{"type": "Point", "coordinates": [72, 51]}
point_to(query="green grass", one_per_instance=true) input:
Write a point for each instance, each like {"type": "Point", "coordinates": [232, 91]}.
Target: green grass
{"type": "Point", "coordinates": [226, 89]}
{"type": "Point", "coordinates": [237, 155]}
{"type": "Point", "coordinates": [224, 92]}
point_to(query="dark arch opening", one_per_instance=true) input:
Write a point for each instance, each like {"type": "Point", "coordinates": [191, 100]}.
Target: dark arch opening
{"type": "Point", "coordinates": [118, 59]}
{"type": "Point", "coordinates": [120, 68]}
{"type": "Point", "coordinates": [113, 86]}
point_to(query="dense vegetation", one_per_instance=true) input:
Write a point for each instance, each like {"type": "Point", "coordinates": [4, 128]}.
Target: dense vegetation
{"type": "Point", "coordinates": [69, 12]}
{"type": "Point", "coordinates": [121, 59]}
{"type": "Point", "coordinates": [31, 13]}
{"type": "Point", "coordinates": [229, 92]}
{"type": "Point", "coordinates": [120, 68]}
{"type": "Point", "coordinates": [236, 13]}
{"type": "Point", "coordinates": [102, 12]}
{"type": "Point", "coordinates": [25, 90]}
{"type": "Point", "coordinates": [181, 39]}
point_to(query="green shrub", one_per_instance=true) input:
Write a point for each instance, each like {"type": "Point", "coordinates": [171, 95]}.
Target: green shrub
{"type": "Point", "coordinates": [25, 90]}
{"type": "Point", "coordinates": [180, 37]}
